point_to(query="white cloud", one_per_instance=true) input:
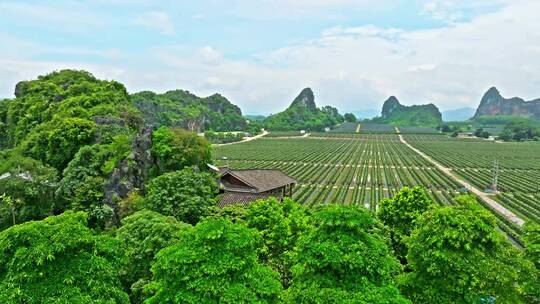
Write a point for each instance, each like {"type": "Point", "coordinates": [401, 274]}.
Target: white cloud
{"type": "Point", "coordinates": [156, 20]}
{"type": "Point", "coordinates": [354, 68]}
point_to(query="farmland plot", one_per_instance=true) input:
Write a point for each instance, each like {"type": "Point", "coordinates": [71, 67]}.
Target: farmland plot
{"type": "Point", "coordinates": [357, 169]}
{"type": "Point", "coordinates": [519, 168]}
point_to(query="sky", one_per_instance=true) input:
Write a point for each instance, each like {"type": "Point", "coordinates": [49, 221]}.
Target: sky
{"type": "Point", "coordinates": [260, 54]}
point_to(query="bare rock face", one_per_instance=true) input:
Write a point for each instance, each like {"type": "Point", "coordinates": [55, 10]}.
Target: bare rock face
{"type": "Point", "coordinates": [493, 104]}
{"type": "Point", "coordinates": [132, 172]}
{"type": "Point", "coordinates": [305, 99]}
{"type": "Point", "coordinates": [389, 106]}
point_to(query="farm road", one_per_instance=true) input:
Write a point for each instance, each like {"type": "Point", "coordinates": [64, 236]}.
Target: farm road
{"type": "Point", "coordinates": [512, 217]}
{"type": "Point", "coordinates": [243, 140]}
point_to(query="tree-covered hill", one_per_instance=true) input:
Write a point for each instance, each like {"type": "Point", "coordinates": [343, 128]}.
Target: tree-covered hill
{"type": "Point", "coordinates": [416, 115]}
{"type": "Point", "coordinates": [180, 108]}
{"type": "Point", "coordinates": [51, 117]}
{"type": "Point", "coordinates": [303, 114]}
{"type": "Point", "coordinates": [71, 141]}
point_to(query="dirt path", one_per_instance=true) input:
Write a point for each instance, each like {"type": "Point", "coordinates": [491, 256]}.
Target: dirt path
{"type": "Point", "coordinates": [243, 140]}
{"type": "Point", "coordinates": [358, 128]}
{"type": "Point", "coordinates": [512, 217]}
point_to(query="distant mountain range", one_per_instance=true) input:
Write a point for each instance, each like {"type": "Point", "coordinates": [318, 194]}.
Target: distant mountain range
{"type": "Point", "coordinates": [215, 112]}
{"type": "Point", "coordinates": [395, 113]}
{"type": "Point", "coordinates": [254, 117]}
{"type": "Point", "coordinates": [460, 114]}
{"type": "Point", "coordinates": [493, 104]}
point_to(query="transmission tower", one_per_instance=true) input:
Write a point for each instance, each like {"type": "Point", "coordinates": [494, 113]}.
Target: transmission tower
{"type": "Point", "coordinates": [495, 176]}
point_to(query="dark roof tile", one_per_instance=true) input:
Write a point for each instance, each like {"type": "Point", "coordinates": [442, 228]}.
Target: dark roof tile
{"type": "Point", "coordinates": [262, 179]}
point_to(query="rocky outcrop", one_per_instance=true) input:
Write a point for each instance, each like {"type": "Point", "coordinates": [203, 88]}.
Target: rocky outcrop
{"type": "Point", "coordinates": [390, 105]}
{"type": "Point", "coordinates": [305, 99]}
{"type": "Point", "coordinates": [132, 172]}
{"type": "Point", "coordinates": [493, 104]}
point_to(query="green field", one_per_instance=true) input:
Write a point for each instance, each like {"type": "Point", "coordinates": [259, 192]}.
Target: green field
{"type": "Point", "coordinates": [519, 168]}
{"type": "Point", "coordinates": [362, 169]}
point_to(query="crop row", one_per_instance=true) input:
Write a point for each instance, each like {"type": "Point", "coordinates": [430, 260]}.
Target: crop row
{"type": "Point", "coordinates": [518, 178]}
{"type": "Point", "coordinates": [362, 170]}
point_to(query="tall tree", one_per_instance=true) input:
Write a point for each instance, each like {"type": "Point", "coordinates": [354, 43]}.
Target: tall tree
{"type": "Point", "coordinates": [349, 117]}
{"type": "Point", "coordinates": [177, 148]}
{"type": "Point", "coordinates": [216, 262]}
{"type": "Point", "coordinates": [456, 255]}
{"type": "Point", "coordinates": [143, 234]}
{"type": "Point", "coordinates": [30, 186]}
{"type": "Point", "coordinates": [280, 225]}
{"type": "Point", "coordinates": [59, 260]}
{"type": "Point", "coordinates": [399, 214]}
{"type": "Point", "coordinates": [185, 194]}
{"type": "Point", "coordinates": [344, 259]}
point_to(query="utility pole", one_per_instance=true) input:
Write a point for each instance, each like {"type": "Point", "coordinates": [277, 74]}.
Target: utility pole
{"type": "Point", "coordinates": [495, 176]}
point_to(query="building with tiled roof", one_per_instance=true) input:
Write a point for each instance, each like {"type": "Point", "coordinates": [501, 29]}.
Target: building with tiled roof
{"type": "Point", "coordinates": [245, 186]}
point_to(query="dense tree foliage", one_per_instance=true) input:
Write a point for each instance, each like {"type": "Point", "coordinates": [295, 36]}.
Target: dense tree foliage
{"type": "Point", "coordinates": [215, 262]}
{"type": "Point", "coordinates": [531, 237]}
{"type": "Point", "coordinates": [59, 260]}
{"type": "Point", "coordinates": [176, 148]}
{"type": "Point", "coordinates": [57, 143]}
{"type": "Point", "coordinates": [186, 195]}
{"type": "Point", "coordinates": [456, 255]}
{"type": "Point", "coordinates": [280, 224]}
{"type": "Point", "coordinates": [480, 132]}
{"type": "Point", "coordinates": [4, 139]}
{"type": "Point", "coordinates": [30, 186]}
{"type": "Point", "coordinates": [66, 94]}
{"type": "Point", "coordinates": [399, 214]}
{"type": "Point", "coordinates": [223, 137]}
{"type": "Point", "coordinates": [349, 117]}
{"type": "Point", "coordinates": [143, 234]}
{"type": "Point", "coordinates": [182, 109]}
{"type": "Point", "coordinates": [345, 259]}
{"type": "Point", "coordinates": [520, 131]}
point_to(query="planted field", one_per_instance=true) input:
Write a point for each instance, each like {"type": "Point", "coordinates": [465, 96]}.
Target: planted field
{"type": "Point", "coordinates": [284, 134]}
{"type": "Point", "coordinates": [418, 130]}
{"type": "Point", "coordinates": [346, 127]}
{"type": "Point", "coordinates": [518, 178]}
{"type": "Point", "coordinates": [360, 169]}
{"type": "Point", "coordinates": [376, 128]}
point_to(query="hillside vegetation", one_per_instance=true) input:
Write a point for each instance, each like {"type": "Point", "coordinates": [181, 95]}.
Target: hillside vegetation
{"type": "Point", "coordinates": [303, 114]}
{"type": "Point", "coordinates": [180, 108]}
{"type": "Point", "coordinates": [416, 115]}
